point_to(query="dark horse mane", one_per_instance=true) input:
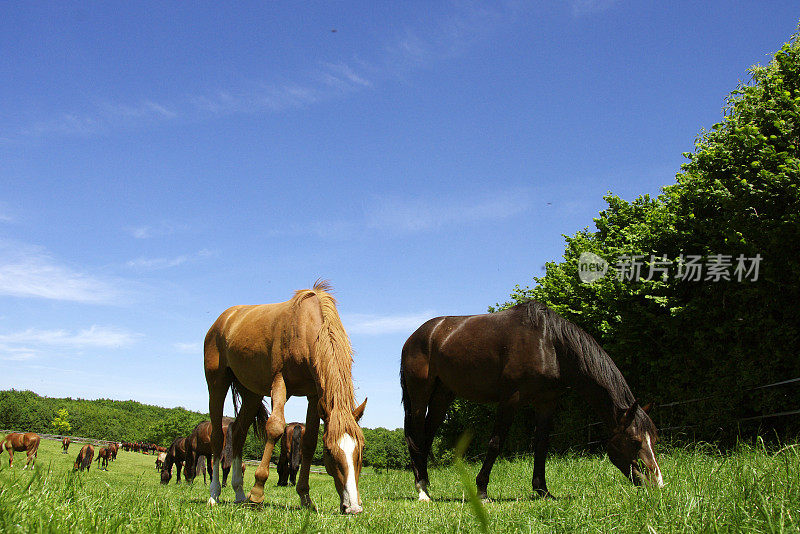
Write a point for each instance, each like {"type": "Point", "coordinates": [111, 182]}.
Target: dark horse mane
{"type": "Point", "coordinates": [592, 361]}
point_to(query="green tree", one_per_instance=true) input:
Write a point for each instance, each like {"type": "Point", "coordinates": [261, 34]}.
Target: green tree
{"type": "Point", "coordinates": [61, 422]}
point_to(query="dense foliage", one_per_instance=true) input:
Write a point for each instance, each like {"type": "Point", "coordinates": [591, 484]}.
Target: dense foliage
{"type": "Point", "coordinates": [717, 338]}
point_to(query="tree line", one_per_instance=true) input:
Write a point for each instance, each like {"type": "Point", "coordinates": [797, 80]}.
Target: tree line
{"type": "Point", "coordinates": [113, 420]}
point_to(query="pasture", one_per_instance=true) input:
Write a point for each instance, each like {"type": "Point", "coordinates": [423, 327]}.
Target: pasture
{"type": "Point", "coordinates": [751, 489]}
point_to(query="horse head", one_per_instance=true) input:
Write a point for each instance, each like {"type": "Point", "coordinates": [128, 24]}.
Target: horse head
{"type": "Point", "coordinates": [630, 447]}
{"type": "Point", "coordinates": [342, 455]}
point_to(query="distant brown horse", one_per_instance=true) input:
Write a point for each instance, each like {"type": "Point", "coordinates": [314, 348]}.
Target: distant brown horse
{"type": "Point", "coordinates": [160, 460]}
{"type": "Point", "coordinates": [298, 347]}
{"type": "Point", "coordinates": [291, 453]}
{"type": "Point", "coordinates": [84, 459]}
{"type": "Point", "coordinates": [103, 455]}
{"type": "Point", "coordinates": [65, 441]}
{"type": "Point", "coordinates": [18, 441]}
{"type": "Point", "coordinates": [113, 448]}
{"type": "Point", "coordinates": [199, 444]}
{"type": "Point", "coordinates": [525, 355]}
{"type": "Point", "coordinates": [176, 455]}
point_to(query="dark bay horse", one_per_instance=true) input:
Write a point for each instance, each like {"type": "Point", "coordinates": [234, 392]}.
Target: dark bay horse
{"type": "Point", "coordinates": [298, 347]}
{"type": "Point", "coordinates": [104, 455]}
{"type": "Point", "coordinates": [84, 459]}
{"type": "Point", "coordinates": [176, 455]}
{"type": "Point", "coordinates": [18, 441]}
{"type": "Point", "coordinates": [199, 445]}
{"type": "Point", "coordinates": [65, 441]}
{"type": "Point", "coordinates": [527, 354]}
{"type": "Point", "coordinates": [291, 453]}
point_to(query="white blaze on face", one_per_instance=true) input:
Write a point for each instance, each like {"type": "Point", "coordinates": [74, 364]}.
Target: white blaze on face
{"type": "Point", "coordinates": [656, 476]}
{"type": "Point", "coordinates": [350, 499]}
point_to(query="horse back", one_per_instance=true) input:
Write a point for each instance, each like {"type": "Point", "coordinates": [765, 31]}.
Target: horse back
{"type": "Point", "coordinates": [481, 357]}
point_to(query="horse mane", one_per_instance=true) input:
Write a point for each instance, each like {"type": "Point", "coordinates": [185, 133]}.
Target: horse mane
{"type": "Point", "coordinates": [333, 361]}
{"type": "Point", "coordinates": [592, 361]}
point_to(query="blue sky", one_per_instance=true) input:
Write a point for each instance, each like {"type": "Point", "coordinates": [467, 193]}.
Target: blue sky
{"type": "Point", "coordinates": [160, 164]}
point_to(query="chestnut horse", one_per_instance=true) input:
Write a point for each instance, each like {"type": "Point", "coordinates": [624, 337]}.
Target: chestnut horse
{"type": "Point", "coordinates": [298, 347]}
{"type": "Point", "coordinates": [65, 441]}
{"type": "Point", "coordinates": [18, 441]}
{"type": "Point", "coordinates": [176, 454]}
{"type": "Point", "coordinates": [103, 455]}
{"type": "Point", "coordinates": [84, 459]}
{"type": "Point", "coordinates": [289, 460]}
{"type": "Point", "coordinates": [199, 444]}
{"type": "Point", "coordinates": [527, 354]}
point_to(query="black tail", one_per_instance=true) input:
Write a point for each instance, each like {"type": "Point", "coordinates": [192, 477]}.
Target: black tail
{"type": "Point", "coordinates": [260, 423]}
{"type": "Point", "coordinates": [297, 448]}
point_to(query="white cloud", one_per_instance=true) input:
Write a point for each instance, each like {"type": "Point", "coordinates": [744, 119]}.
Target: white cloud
{"type": "Point", "coordinates": [165, 228]}
{"type": "Point", "coordinates": [95, 336]}
{"type": "Point", "coordinates": [32, 343]}
{"type": "Point", "coordinates": [155, 264]}
{"type": "Point", "coordinates": [367, 324]}
{"type": "Point", "coordinates": [418, 214]}
{"type": "Point", "coordinates": [27, 271]}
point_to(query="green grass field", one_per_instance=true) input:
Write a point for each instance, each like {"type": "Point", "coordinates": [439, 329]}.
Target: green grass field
{"type": "Point", "coordinates": [751, 490]}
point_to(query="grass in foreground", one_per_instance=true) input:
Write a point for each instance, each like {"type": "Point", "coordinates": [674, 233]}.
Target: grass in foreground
{"type": "Point", "coordinates": [750, 490]}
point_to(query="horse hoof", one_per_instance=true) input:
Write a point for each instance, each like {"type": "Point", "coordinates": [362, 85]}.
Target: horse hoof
{"type": "Point", "coordinates": [423, 497]}
{"type": "Point", "coordinates": [212, 501]}
{"type": "Point", "coordinates": [306, 502]}
{"type": "Point", "coordinates": [542, 494]}
{"type": "Point", "coordinates": [256, 496]}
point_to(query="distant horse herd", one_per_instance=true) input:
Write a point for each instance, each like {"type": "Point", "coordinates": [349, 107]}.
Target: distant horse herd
{"type": "Point", "coordinates": [527, 355]}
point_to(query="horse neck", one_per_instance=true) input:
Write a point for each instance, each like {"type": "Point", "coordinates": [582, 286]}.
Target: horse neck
{"type": "Point", "coordinates": [604, 388]}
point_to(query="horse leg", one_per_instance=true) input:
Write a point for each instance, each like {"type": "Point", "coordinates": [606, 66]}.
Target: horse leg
{"type": "Point", "coordinates": [283, 465]}
{"type": "Point", "coordinates": [440, 401]}
{"type": "Point", "coordinates": [250, 405]}
{"type": "Point", "coordinates": [309, 446]}
{"type": "Point", "coordinates": [544, 422]}
{"type": "Point", "coordinates": [218, 383]}
{"type": "Point", "coordinates": [275, 425]}
{"type": "Point", "coordinates": [178, 467]}
{"type": "Point", "coordinates": [417, 394]}
{"type": "Point", "coordinates": [503, 419]}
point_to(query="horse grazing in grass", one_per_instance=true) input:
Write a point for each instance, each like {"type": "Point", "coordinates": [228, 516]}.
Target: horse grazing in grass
{"type": "Point", "coordinates": [298, 347]}
{"type": "Point", "coordinates": [113, 448]}
{"type": "Point", "coordinates": [19, 442]}
{"type": "Point", "coordinates": [176, 455]}
{"type": "Point", "coordinates": [160, 460]}
{"type": "Point", "coordinates": [103, 455]}
{"type": "Point", "coordinates": [291, 453]}
{"type": "Point", "coordinates": [199, 444]}
{"type": "Point", "coordinates": [84, 459]}
{"type": "Point", "coordinates": [65, 441]}
{"type": "Point", "coordinates": [527, 354]}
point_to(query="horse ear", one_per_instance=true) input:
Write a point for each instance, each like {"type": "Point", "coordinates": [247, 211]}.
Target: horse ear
{"type": "Point", "coordinates": [358, 412]}
{"type": "Point", "coordinates": [630, 413]}
{"type": "Point", "coordinates": [647, 407]}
